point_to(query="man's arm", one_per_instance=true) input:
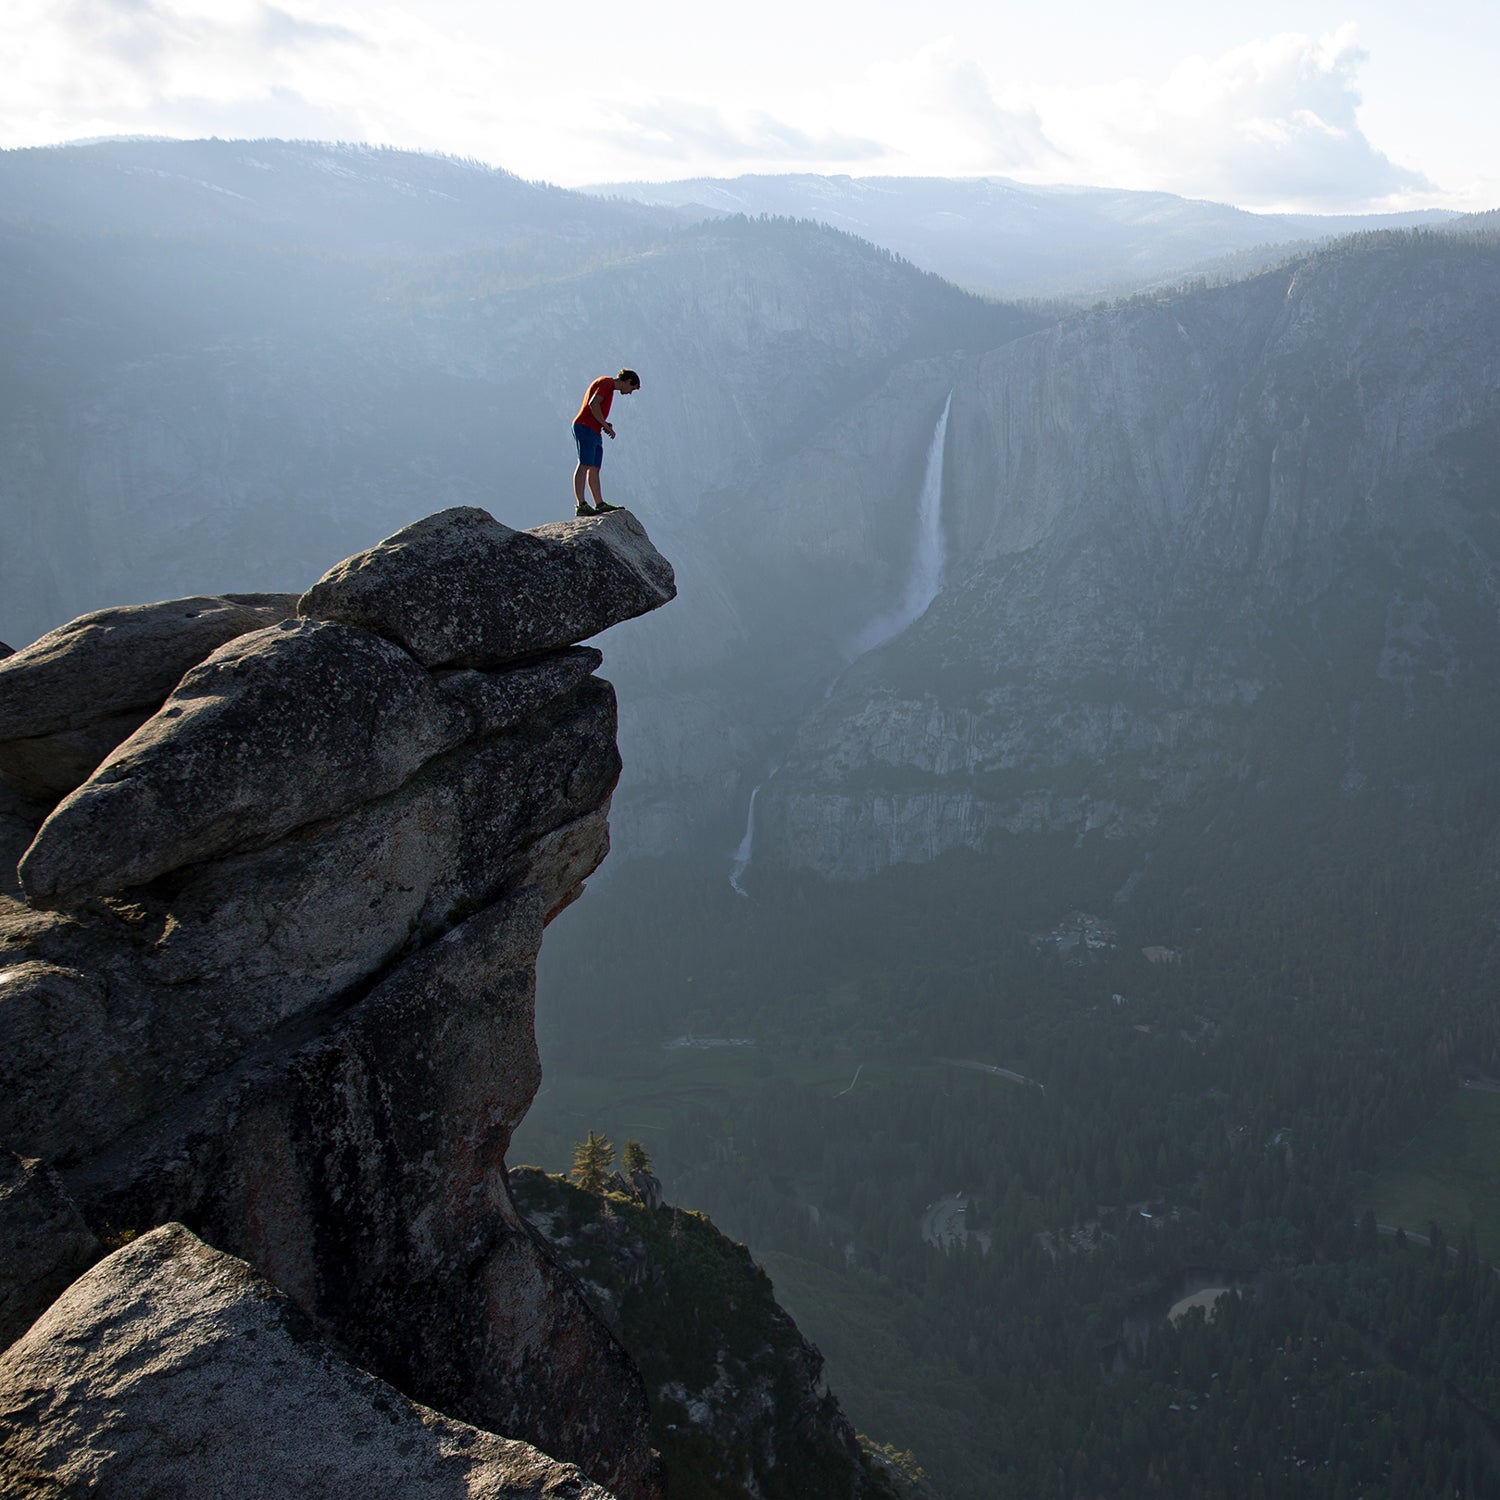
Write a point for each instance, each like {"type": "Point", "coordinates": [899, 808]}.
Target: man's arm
{"type": "Point", "coordinates": [596, 406]}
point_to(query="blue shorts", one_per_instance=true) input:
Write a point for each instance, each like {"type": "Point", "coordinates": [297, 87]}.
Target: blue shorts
{"type": "Point", "coordinates": [590, 445]}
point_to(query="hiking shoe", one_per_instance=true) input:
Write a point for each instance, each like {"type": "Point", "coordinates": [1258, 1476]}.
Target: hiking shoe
{"type": "Point", "coordinates": [580, 509]}
{"type": "Point", "coordinates": [605, 507]}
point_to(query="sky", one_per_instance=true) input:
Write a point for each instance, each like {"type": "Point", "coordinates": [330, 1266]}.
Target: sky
{"type": "Point", "coordinates": [1324, 106]}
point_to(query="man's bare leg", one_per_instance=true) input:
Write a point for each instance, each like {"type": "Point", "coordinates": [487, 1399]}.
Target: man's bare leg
{"type": "Point", "coordinates": [578, 478]}
{"type": "Point", "coordinates": [593, 475]}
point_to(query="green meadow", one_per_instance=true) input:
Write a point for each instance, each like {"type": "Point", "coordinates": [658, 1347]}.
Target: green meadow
{"type": "Point", "coordinates": [1448, 1173]}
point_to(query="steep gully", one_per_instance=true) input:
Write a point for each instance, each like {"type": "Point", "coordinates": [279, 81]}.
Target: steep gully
{"type": "Point", "coordinates": [929, 560]}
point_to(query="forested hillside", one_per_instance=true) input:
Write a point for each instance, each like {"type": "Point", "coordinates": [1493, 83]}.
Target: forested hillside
{"type": "Point", "coordinates": [820, 1067]}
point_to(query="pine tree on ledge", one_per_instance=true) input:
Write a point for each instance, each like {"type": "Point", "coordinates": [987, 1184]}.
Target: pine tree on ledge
{"type": "Point", "coordinates": [592, 1159]}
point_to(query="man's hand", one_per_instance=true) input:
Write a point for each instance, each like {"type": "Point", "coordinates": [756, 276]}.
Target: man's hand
{"type": "Point", "coordinates": [609, 431]}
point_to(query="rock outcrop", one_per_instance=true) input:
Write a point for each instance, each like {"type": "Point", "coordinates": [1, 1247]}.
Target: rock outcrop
{"type": "Point", "coordinates": [279, 728]}
{"type": "Point", "coordinates": [224, 1389]}
{"type": "Point", "coordinates": [69, 698]}
{"type": "Point", "coordinates": [460, 589]}
{"type": "Point", "coordinates": [269, 972]}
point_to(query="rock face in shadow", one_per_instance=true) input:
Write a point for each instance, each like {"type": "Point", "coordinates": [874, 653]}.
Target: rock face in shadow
{"type": "Point", "coordinates": [282, 989]}
{"type": "Point", "coordinates": [44, 1242]}
{"type": "Point", "coordinates": [227, 1391]}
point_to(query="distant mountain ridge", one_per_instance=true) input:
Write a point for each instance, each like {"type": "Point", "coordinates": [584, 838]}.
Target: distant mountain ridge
{"type": "Point", "coordinates": [1012, 239]}
{"type": "Point", "coordinates": [355, 199]}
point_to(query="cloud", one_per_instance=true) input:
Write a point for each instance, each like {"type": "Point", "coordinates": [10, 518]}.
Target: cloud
{"type": "Point", "coordinates": [95, 66]}
{"type": "Point", "coordinates": [161, 40]}
{"type": "Point", "coordinates": [327, 69]}
{"type": "Point", "coordinates": [682, 131]}
{"type": "Point", "coordinates": [280, 28]}
{"type": "Point", "coordinates": [948, 117]}
{"type": "Point", "coordinates": [1272, 124]}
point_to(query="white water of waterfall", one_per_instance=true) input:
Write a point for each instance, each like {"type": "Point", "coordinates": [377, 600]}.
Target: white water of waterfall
{"type": "Point", "coordinates": [926, 576]}
{"type": "Point", "coordinates": [747, 846]}
{"type": "Point", "coordinates": [922, 585]}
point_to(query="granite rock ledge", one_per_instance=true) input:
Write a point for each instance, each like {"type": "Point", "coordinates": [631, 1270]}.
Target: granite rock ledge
{"type": "Point", "coordinates": [267, 971]}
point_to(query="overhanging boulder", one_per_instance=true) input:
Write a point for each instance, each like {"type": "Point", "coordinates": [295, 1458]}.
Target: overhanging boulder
{"type": "Point", "coordinates": [458, 589]}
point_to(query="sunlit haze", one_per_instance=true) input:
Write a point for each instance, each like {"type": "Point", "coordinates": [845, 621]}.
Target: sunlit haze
{"type": "Point", "coordinates": [1318, 106]}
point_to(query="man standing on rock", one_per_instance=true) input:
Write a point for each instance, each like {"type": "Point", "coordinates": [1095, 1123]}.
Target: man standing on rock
{"type": "Point", "coordinates": [590, 428]}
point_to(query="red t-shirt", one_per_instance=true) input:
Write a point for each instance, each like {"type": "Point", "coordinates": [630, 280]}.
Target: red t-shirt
{"type": "Point", "coordinates": [603, 386]}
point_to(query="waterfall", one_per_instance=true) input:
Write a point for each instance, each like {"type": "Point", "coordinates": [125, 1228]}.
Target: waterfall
{"type": "Point", "coordinates": [922, 584]}
{"type": "Point", "coordinates": [929, 557]}
{"type": "Point", "coordinates": [747, 846]}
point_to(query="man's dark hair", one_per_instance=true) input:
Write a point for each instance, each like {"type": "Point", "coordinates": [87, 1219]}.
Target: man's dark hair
{"type": "Point", "coordinates": [629, 375]}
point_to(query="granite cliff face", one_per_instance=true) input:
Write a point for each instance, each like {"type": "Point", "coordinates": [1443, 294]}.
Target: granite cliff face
{"type": "Point", "coordinates": [1241, 540]}
{"type": "Point", "coordinates": [281, 871]}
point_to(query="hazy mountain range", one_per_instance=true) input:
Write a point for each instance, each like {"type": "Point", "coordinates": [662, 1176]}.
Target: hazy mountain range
{"type": "Point", "coordinates": [1010, 239]}
{"type": "Point", "coordinates": [356, 199]}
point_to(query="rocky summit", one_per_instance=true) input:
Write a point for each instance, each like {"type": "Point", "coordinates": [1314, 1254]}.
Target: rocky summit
{"type": "Point", "coordinates": [275, 878]}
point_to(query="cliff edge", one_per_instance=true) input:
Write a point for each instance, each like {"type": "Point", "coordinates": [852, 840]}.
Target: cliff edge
{"type": "Point", "coordinates": [273, 876]}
